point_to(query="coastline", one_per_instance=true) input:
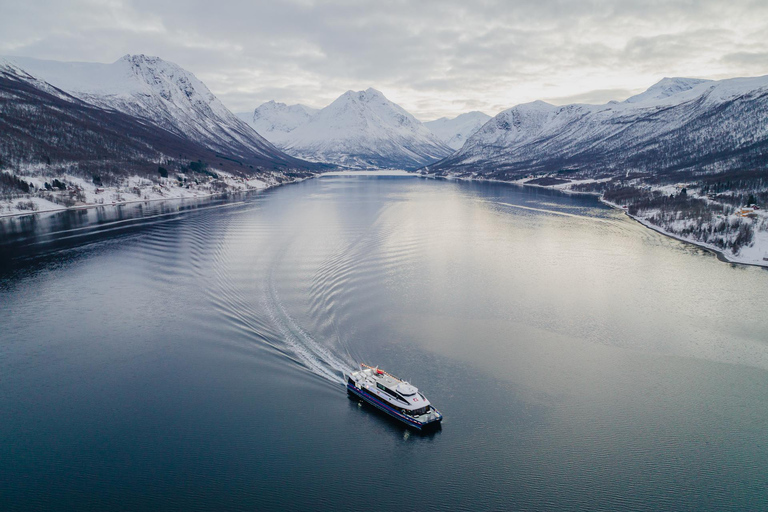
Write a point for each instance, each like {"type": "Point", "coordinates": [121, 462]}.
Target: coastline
{"type": "Point", "coordinates": [719, 253]}
{"type": "Point", "coordinates": [263, 186]}
{"type": "Point", "coordinates": [194, 196]}
{"type": "Point", "coordinates": [116, 204]}
{"type": "Point", "coordinates": [260, 186]}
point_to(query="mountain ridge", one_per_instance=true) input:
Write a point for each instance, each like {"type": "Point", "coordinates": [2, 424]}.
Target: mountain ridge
{"type": "Point", "coordinates": [274, 120]}
{"type": "Point", "coordinates": [455, 131]}
{"type": "Point", "coordinates": [676, 124]}
{"type": "Point", "coordinates": [161, 92]}
{"type": "Point", "coordinates": [110, 137]}
{"type": "Point", "coordinates": [359, 129]}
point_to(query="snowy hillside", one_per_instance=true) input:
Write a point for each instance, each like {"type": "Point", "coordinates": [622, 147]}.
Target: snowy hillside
{"type": "Point", "coordinates": [677, 124]}
{"type": "Point", "coordinates": [358, 130]}
{"type": "Point", "coordinates": [160, 92]}
{"type": "Point", "coordinates": [665, 88]}
{"type": "Point", "coordinates": [274, 121]}
{"type": "Point", "coordinates": [61, 150]}
{"type": "Point", "coordinates": [454, 132]}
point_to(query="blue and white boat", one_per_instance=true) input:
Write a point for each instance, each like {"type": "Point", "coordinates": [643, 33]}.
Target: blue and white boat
{"type": "Point", "coordinates": [394, 396]}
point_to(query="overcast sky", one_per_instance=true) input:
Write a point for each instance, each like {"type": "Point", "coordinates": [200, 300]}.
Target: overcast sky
{"type": "Point", "coordinates": [434, 58]}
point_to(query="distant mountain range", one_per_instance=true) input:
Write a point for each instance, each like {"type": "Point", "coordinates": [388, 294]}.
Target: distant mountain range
{"type": "Point", "coordinates": [140, 111]}
{"type": "Point", "coordinates": [360, 129]}
{"type": "Point", "coordinates": [275, 121]}
{"type": "Point", "coordinates": [455, 131]}
{"type": "Point", "coordinates": [677, 124]}
{"type": "Point", "coordinates": [125, 116]}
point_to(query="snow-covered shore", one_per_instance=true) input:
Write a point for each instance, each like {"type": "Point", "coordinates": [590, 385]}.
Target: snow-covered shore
{"type": "Point", "coordinates": [81, 194]}
{"type": "Point", "coordinates": [756, 253]}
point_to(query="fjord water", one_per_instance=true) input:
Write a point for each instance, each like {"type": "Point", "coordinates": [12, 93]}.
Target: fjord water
{"type": "Point", "coordinates": [190, 356]}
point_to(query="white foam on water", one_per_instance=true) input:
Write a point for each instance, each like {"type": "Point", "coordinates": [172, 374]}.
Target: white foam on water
{"type": "Point", "coordinates": [309, 351]}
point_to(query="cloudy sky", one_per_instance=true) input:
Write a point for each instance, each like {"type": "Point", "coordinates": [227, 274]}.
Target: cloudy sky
{"type": "Point", "coordinates": [434, 58]}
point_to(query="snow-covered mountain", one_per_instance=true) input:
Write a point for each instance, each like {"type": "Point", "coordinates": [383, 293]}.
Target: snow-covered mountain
{"type": "Point", "coordinates": [274, 121]}
{"type": "Point", "coordinates": [114, 127]}
{"type": "Point", "coordinates": [161, 92]}
{"type": "Point", "coordinates": [676, 124]}
{"type": "Point", "coordinates": [47, 130]}
{"type": "Point", "coordinates": [454, 132]}
{"type": "Point", "coordinates": [665, 88]}
{"type": "Point", "coordinates": [359, 130]}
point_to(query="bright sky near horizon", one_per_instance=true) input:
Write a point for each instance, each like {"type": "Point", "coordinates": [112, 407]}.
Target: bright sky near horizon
{"type": "Point", "coordinates": [433, 57]}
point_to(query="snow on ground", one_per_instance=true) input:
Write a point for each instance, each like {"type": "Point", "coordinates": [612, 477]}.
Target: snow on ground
{"type": "Point", "coordinates": [754, 254]}
{"type": "Point", "coordinates": [81, 193]}
{"type": "Point", "coordinates": [758, 251]}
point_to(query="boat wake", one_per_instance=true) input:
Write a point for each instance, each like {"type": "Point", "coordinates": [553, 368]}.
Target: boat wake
{"type": "Point", "coordinates": [317, 358]}
{"type": "Point", "coordinates": [277, 294]}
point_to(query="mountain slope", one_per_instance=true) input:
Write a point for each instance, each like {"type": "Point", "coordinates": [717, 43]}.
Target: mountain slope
{"type": "Point", "coordinates": [665, 88]}
{"type": "Point", "coordinates": [454, 132]}
{"type": "Point", "coordinates": [677, 124]}
{"type": "Point", "coordinates": [161, 93]}
{"type": "Point", "coordinates": [363, 130]}
{"type": "Point", "coordinates": [274, 121]}
{"type": "Point", "coordinates": [46, 129]}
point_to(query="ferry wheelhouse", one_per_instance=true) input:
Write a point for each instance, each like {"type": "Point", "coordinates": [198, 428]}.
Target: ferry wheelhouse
{"type": "Point", "coordinates": [394, 396]}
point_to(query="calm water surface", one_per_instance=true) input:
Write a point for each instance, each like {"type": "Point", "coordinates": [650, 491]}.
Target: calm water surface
{"type": "Point", "coordinates": [189, 356]}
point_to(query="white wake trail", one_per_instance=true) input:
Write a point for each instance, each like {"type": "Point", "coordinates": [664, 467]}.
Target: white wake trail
{"type": "Point", "coordinates": [309, 351]}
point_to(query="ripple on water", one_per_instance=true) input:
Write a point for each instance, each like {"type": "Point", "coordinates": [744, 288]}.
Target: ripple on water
{"type": "Point", "coordinates": [193, 360]}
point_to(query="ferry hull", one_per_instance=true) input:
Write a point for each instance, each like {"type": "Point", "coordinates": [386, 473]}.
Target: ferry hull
{"type": "Point", "coordinates": [411, 422]}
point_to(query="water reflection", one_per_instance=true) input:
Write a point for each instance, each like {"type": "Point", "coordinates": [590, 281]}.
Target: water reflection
{"type": "Point", "coordinates": [186, 357]}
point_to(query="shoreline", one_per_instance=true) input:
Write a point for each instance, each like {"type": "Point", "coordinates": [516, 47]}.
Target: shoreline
{"type": "Point", "coordinates": [384, 172]}
{"type": "Point", "coordinates": [113, 205]}
{"type": "Point", "coordinates": [4, 215]}
{"type": "Point", "coordinates": [719, 253]}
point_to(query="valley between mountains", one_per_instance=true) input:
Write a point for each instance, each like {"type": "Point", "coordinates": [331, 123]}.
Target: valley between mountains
{"type": "Point", "coordinates": [687, 157]}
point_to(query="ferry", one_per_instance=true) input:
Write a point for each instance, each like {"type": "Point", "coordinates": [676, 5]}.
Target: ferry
{"type": "Point", "coordinates": [394, 396]}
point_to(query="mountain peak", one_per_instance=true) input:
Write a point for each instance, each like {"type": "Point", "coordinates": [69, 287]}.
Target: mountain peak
{"type": "Point", "coordinates": [275, 120]}
{"type": "Point", "coordinates": [163, 94]}
{"type": "Point", "coordinates": [364, 96]}
{"type": "Point", "coordinates": [666, 87]}
{"type": "Point", "coordinates": [140, 59]}
{"type": "Point", "coordinates": [270, 105]}
{"type": "Point", "coordinates": [365, 129]}
{"type": "Point", "coordinates": [679, 123]}
{"type": "Point", "coordinates": [454, 132]}
{"type": "Point", "coordinates": [537, 105]}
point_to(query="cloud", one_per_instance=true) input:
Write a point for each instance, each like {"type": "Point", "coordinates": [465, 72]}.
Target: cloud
{"type": "Point", "coordinates": [434, 57]}
{"type": "Point", "coordinates": [748, 60]}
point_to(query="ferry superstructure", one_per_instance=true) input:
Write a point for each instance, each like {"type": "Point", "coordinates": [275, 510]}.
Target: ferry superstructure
{"type": "Point", "coordinates": [394, 396]}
